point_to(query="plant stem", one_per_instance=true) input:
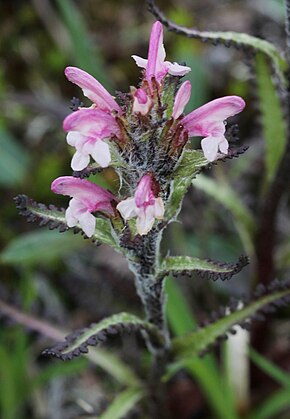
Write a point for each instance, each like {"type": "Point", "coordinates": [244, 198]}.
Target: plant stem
{"type": "Point", "coordinates": [151, 291]}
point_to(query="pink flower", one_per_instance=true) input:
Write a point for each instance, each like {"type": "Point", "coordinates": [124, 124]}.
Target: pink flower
{"type": "Point", "coordinates": [208, 121]}
{"type": "Point", "coordinates": [181, 99]}
{"type": "Point", "coordinates": [143, 205]}
{"type": "Point", "coordinates": [92, 89]}
{"type": "Point", "coordinates": [87, 197]}
{"type": "Point", "coordinates": [86, 129]}
{"type": "Point", "coordinates": [155, 65]}
{"type": "Point", "coordinates": [141, 102]}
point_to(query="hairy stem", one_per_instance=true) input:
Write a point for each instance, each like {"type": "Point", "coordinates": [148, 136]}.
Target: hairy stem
{"type": "Point", "coordinates": [151, 291]}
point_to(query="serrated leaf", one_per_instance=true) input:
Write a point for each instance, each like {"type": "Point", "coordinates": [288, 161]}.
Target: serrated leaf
{"type": "Point", "coordinates": [208, 268]}
{"type": "Point", "coordinates": [108, 361]}
{"type": "Point", "coordinates": [78, 342]}
{"type": "Point", "coordinates": [273, 121]}
{"type": "Point", "coordinates": [39, 247]}
{"type": "Point", "coordinates": [226, 196]}
{"type": "Point", "coordinates": [199, 341]}
{"type": "Point", "coordinates": [55, 218]}
{"type": "Point", "coordinates": [191, 164]}
{"type": "Point", "coordinates": [236, 39]}
{"type": "Point", "coordinates": [123, 404]}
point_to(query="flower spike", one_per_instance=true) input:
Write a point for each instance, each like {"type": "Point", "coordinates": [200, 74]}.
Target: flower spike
{"type": "Point", "coordinates": [86, 129]}
{"type": "Point", "coordinates": [92, 89]}
{"type": "Point", "coordinates": [87, 197]}
{"type": "Point", "coordinates": [143, 205]}
{"type": "Point", "coordinates": [155, 65]}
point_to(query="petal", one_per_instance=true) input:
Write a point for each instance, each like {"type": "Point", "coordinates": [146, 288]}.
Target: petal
{"type": "Point", "coordinates": [80, 161]}
{"type": "Point", "coordinates": [70, 218]}
{"type": "Point", "coordinates": [159, 208]}
{"type": "Point", "coordinates": [145, 221]}
{"type": "Point", "coordinates": [181, 99]}
{"type": "Point", "coordinates": [88, 223]}
{"type": "Point", "coordinates": [92, 89]}
{"type": "Point", "coordinates": [92, 196]}
{"type": "Point", "coordinates": [223, 145]}
{"type": "Point", "coordinates": [156, 52]}
{"type": "Point", "coordinates": [91, 122]}
{"type": "Point", "coordinates": [209, 147]}
{"type": "Point", "coordinates": [208, 119]}
{"type": "Point", "coordinates": [73, 137]}
{"type": "Point", "coordinates": [143, 193]}
{"type": "Point", "coordinates": [100, 152]}
{"type": "Point", "coordinates": [176, 69]}
{"type": "Point", "coordinates": [141, 62]}
{"type": "Point", "coordinates": [127, 208]}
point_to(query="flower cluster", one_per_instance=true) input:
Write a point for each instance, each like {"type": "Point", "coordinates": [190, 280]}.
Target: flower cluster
{"type": "Point", "coordinates": [148, 131]}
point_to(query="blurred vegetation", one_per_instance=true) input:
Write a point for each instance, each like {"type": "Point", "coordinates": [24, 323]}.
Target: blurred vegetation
{"type": "Point", "coordinates": [68, 283]}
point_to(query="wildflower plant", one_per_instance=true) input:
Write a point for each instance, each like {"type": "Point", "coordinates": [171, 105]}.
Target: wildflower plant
{"type": "Point", "coordinates": [144, 136]}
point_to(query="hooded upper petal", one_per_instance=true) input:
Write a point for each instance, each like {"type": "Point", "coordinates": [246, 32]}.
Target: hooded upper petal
{"type": "Point", "coordinates": [181, 99]}
{"type": "Point", "coordinates": [91, 122]}
{"type": "Point", "coordinates": [92, 196]}
{"type": "Point", "coordinates": [143, 194]}
{"type": "Point", "coordinates": [208, 119]}
{"type": "Point", "coordinates": [92, 89]}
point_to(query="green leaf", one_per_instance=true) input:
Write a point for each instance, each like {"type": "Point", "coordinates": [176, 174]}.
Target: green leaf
{"type": "Point", "coordinates": [113, 365]}
{"type": "Point", "coordinates": [272, 117]}
{"type": "Point", "coordinates": [86, 54]}
{"type": "Point", "coordinates": [123, 404]}
{"type": "Point", "coordinates": [77, 343]}
{"type": "Point", "coordinates": [226, 196]}
{"type": "Point", "coordinates": [274, 405]}
{"type": "Point", "coordinates": [210, 269]}
{"type": "Point", "coordinates": [269, 368]}
{"type": "Point", "coordinates": [191, 164]}
{"type": "Point", "coordinates": [55, 218]}
{"type": "Point", "coordinates": [39, 247]}
{"type": "Point", "coordinates": [14, 160]}
{"type": "Point", "coordinates": [198, 341]}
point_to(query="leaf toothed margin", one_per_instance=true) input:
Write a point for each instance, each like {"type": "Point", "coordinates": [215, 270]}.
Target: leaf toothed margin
{"type": "Point", "coordinates": [206, 268]}
{"type": "Point", "coordinates": [77, 342]}
{"type": "Point", "coordinates": [223, 322]}
{"type": "Point", "coordinates": [54, 218]}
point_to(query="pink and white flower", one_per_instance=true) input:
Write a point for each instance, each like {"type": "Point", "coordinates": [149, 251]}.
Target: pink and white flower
{"type": "Point", "coordinates": [143, 205]}
{"type": "Point", "coordinates": [156, 66]}
{"type": "Point", "coordinates": [87, 197]}
{"type": "Point", "coordinates": [87, 128]}
{"type": "Point", "coordinates": [141, 102]}
{"type": "Point", "coordinates": [208, 121]}
{"type": "Point", "coordinates": [92, 89]}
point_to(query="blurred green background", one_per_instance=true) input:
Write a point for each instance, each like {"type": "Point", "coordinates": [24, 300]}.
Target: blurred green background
{"type": "Point", "coordinates": [68, 282]}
